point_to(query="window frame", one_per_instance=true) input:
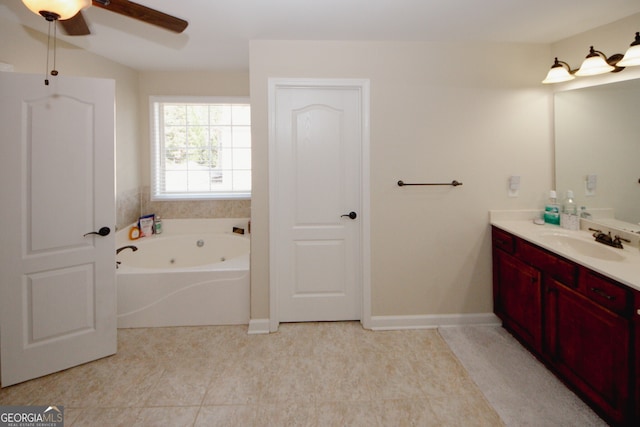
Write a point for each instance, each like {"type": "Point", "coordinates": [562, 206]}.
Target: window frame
{"type": "Point", "coordinates": [156, 142]}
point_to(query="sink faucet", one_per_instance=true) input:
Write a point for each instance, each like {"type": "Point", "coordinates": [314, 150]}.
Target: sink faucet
{"type": "Point", "coordinates": [133, 248]}
{"type": "Point", "coordinates": [617, 241]}
{"type": "Point", "coordinates": [606, 239]}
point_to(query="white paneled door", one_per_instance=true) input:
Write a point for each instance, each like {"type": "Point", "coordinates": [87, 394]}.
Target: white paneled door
{"type": "Point", "coordinates": [57, 283]}
{"type": "Point", "coordinates": [317, 132]}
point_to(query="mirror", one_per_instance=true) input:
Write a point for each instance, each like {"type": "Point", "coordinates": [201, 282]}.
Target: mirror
{"type": "Point", "coordinates": [597, 132]}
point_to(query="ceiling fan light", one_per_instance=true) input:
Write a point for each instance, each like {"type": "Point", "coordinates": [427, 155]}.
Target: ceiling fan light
{"type": "Point", "coordinates": [594, 64]}
{"type": "Point", "coordinates": [65, 9]}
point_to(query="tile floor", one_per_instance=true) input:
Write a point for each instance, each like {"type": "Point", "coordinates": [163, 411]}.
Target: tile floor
{"type": "Point", "coordinates": [306, 374]}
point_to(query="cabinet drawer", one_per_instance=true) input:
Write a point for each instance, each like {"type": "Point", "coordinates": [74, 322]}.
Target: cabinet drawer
{"type": "Point", "coordinates": [605, 292]}
{"type": "Point", "coordinates": [562, 270]}
{"type": "Point", "coordinates": [503, 240]}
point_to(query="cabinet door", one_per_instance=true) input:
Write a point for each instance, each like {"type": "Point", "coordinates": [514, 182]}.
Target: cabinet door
{"type": "Point", "coordinates": [636, 379]}
{"type": "Point", "coordinates": [519, 298]}
{"type": "Point", "coordinates": [589, 345]}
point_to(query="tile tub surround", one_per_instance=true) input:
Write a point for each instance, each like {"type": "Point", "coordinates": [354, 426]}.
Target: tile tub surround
{"type": "Point", "coordinates": [315, 374]}
{"type": "Point", "coordinates": [195, 208]}
{"type": "Point", "coordinates": [132, 204]}
{"type": "Point", "coordinates": [127, 207]}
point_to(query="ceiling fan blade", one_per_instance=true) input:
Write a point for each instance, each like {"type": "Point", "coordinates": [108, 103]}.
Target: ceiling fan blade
{"type": "Point", "coordinates": [143, 13]}
{"type": "Point", "coordinates": [76, 25]}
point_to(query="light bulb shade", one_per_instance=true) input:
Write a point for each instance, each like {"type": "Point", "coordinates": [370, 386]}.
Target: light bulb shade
{"type": "Point", "coordinates": [631, 57]}
{"type": "Point", "coordinates": [558, 74]}
{"type": "Point", "coordinates": [65, 9]}
{"type": "Point", "coordinates": [594, 65]}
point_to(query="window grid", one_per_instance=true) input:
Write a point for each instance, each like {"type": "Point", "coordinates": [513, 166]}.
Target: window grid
{"type": "Point", "coordinates": [201, 149]}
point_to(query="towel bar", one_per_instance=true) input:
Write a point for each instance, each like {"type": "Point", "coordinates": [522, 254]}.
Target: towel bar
{"type": "Point", "coordinates": [454, 183]}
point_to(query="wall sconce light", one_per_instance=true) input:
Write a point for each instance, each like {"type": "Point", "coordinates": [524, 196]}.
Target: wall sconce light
{"type": "Point", "coordinates": [595, 63]}
{"type": "Point", "coordinates": [53, 10]}
{"type": "Point", "coordinates": [558, 73]}
{"type": "Point", "coordinates": [632, 56]}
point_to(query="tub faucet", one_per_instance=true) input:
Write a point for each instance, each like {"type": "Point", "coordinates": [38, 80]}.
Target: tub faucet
{"type": "Point", "coordinates": [133, 248]}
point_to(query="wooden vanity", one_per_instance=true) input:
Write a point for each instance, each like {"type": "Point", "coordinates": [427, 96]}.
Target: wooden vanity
{"type": "Point", "coordinates": [582, 323]}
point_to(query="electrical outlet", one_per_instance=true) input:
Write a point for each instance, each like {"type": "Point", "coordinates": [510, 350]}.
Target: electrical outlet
{"type": "Point", "coordinates": [6, 67]}
{"type": "Point", "coordinates": [590, 184]}
{"type": "Point", "coordinates": [514, 185]}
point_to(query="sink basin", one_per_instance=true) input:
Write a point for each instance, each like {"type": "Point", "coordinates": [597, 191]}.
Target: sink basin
{"type": "Point", "coordinates": [588, 248]}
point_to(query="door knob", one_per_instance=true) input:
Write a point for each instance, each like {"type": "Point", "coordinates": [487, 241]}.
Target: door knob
{"type": "Point", "coordinates": [104, 231]}
{"type": "Point", "coordinates": [351, 215]}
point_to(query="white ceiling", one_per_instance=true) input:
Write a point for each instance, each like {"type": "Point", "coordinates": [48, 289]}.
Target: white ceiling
{"type": "Point", "coordinates": [219, 30]}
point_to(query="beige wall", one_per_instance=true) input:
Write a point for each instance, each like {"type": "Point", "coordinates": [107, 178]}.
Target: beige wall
{"type": "Point", "coordinates": [476, 113]}
{"type": "Point", "coordinates": [26, 50]}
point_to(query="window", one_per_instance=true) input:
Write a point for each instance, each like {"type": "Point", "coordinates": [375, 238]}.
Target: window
{"type": "Point", "coordinates": [200, 148]}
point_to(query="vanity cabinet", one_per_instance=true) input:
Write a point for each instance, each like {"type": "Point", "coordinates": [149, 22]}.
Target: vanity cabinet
{"type": "Point", "coordinates": [589, 346]}
{"type": "Point", "coordinates": [520, 273]}
{"type": "Point", "coordinates": [517, 292]}
{"type": "Point", "coordinates": [583, 325]}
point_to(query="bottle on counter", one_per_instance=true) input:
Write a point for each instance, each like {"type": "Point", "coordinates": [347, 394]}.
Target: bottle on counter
{"type": "Point", "coordinates": [552, 209]}
{"type": "Point", "coordinates": [569, 218]}
{"type": "Point", "coordinates": [157, 225]}
{"type": "Point", "coordinates": [570, 206]}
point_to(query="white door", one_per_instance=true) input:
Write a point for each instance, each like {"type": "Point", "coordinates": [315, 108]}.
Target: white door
{"type": "Point", "coordinates": [316, 172]}
{"type": "Point", "coordinates": [57, 286]}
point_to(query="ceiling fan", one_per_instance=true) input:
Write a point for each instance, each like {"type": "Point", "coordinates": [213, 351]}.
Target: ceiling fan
{"type": "Point", "coordinates": [69, 14]}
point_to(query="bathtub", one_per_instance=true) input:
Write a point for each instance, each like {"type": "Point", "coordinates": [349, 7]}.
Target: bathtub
{"type": "Point", "coordinates": [195, 273]}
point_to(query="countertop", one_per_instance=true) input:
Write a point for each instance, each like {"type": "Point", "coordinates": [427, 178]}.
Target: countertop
{"type": "Point", "coordinates": [626, 270]}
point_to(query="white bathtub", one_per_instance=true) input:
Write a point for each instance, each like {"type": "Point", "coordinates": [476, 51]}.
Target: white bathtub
{"type": "Point", "coordinates": [195, 273]}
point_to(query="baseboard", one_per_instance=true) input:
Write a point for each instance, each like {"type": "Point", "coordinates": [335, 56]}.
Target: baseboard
{"type": "Point", "coordinates": [258, 326]}
{"type": "Point", "coordinates": [387, 323]}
